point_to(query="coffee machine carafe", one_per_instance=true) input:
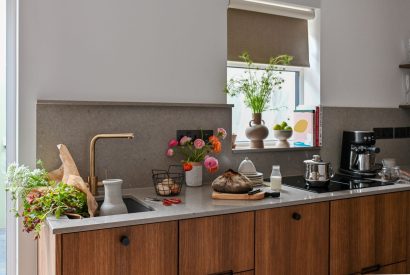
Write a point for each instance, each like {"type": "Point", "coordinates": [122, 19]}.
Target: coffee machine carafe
{"type": "Point", "coordinates": [359, 154]}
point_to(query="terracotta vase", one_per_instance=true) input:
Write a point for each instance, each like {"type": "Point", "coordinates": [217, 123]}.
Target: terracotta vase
{"type": "Point", "coordinates": [257, 131]}
{"type": "Point", "coordinates": [194, 177]}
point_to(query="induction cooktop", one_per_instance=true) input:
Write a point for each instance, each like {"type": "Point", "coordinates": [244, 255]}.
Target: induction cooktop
{"type": "Point", "coordinates": [337, 183]}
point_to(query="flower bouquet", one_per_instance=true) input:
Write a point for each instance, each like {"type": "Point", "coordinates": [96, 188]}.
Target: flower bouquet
{"type": "Point", "coordinates": [195, 152]}
{"type": "Point", "coordinates": [40, 197]}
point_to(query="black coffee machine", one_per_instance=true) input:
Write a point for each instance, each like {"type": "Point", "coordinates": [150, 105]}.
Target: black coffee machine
{"type": "Point", "coordinates": [359, 154]}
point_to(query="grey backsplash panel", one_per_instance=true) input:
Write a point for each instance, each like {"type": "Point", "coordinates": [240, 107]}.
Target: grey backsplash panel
{"type": "Point", "coordinates": [75, 123]}
{"type": "Point", "coordinates": [337, 119]}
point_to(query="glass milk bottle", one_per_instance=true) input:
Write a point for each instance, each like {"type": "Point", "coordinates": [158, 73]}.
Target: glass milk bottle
{"type": "Point", "coordinates": [276, 178]}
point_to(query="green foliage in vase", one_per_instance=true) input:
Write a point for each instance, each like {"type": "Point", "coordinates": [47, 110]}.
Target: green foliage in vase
{"type": "Point", "coordinates": [40, 197]}
{"type": "Point", "coordinates": [258, 90]}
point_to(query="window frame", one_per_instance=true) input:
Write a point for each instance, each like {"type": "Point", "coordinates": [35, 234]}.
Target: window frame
{"type": "Point", "coordinates": [299, 91]}
{"type": "Point", "coordinates": [12, 234]}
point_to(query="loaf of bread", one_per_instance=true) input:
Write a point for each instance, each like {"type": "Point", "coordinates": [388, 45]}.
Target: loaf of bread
{"type": "Point", "coordinates": [232, 182]}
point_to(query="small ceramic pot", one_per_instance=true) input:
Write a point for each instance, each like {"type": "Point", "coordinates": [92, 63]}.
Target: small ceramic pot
{"type": "Point", "coordinates": [257, 131]}
{"type": "Point", "coordinates": [193, 178]}
{"type": "Point", "coordinates": [282, 136]}
{"type": "Point", "coordinates": [113, 203]}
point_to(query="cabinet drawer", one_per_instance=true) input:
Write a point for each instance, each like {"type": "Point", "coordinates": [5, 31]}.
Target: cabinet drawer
{"type": "Point", "coordinates": [216, 244]}
{"type": "Point", "coordinates": [397, 268]}
{"type": "Point", "coordinates": [367, 231]}
{"type": "Point", "coordinates": [132, 250]}
{"type": "Point", "coordinates": [292, 240]}
{"type": "Point", "coordinates": [249, 272]}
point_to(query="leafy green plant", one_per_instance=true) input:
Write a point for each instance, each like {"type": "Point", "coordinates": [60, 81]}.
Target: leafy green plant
{"type": "Point", "coordinates": [258, 90]}
{"type": "Point", "coordinates": [40, 197]}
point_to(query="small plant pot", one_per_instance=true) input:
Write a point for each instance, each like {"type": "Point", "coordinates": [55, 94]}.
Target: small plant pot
{"type": "Point", "coordinates": [282, 136]}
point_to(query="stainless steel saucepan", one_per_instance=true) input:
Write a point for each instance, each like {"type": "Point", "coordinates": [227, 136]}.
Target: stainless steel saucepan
{"type": "Point", "coordinates": [318, 172]}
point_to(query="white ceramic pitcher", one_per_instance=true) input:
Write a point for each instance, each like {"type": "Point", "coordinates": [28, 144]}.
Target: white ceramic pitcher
{"type": "Point", "coordinates": [113, 203]}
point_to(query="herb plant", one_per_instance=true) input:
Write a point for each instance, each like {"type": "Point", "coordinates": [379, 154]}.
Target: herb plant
{"type": "Point", "coordinates": [258, 90]}
{"type": "Point", "coordinates": [40, 197]}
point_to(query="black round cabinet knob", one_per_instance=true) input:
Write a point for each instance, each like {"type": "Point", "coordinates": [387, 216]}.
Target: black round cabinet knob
{"type": "Point", "coordinates": [296, 216]}
{"type": "Point", "coordinates": [125, 241]}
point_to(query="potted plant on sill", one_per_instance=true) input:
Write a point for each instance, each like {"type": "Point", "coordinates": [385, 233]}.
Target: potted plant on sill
{"type": "Point", "coordinates": [257, 92]}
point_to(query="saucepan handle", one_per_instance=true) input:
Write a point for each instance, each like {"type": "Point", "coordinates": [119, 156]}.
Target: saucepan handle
{"type": "Point", "coordinates": [332, 173]}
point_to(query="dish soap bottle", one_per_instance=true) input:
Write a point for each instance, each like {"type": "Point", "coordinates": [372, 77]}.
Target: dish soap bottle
{"type": "Point", "coordinates": [276, 178]}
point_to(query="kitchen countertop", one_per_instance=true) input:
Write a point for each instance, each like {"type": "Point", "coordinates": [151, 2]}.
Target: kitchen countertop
{"type": "Point", "coordinates": [197, 202]}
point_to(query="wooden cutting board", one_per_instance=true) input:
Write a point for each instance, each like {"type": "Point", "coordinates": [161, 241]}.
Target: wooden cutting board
{"type": "Point", "coordinates": [228, 196]}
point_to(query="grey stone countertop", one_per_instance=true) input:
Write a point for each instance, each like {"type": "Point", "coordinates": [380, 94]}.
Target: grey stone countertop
{"type": "Point", "coordinates": [197, 202]}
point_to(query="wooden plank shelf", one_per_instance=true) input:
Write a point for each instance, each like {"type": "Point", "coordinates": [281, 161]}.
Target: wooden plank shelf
{"type": "Point", "coordinates": [404, 66]}
{"type": "Point", "coordinates": [407, 106]}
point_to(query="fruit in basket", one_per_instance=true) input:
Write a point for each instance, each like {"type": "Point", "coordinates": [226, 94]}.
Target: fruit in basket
{"type": "Point", "coordinates": [175, 189]}
{"type": "Point", "coordinates": [283, 126]}
{"type": "Point", "coordinates": [163, 189]}
{"type": "Point", "coordinates": [169, 182]}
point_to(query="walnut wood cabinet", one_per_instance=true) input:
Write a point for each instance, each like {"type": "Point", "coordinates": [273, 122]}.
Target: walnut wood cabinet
{"type": "Point", "coordinates": [360, 235]}
{"type": "Point", "coordinates": [367, 232]}
{"type": "Point", "coordinates": [292, 240]}
{"type": "Point", "coordinates": [141, 249]}
{"type": "Point", "coordinates": [398, 268]}
{"type": "Point", "coordinates": [217, 245]}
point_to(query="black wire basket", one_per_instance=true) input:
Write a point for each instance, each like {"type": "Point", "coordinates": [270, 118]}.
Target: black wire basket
{"type": "Point", "coordinates": [168, 182]}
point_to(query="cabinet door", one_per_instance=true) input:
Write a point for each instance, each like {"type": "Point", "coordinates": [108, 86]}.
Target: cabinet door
{"type": "Point", "coordinates": [292, 240]}
{"type": "Point", "coordinates": [216, 244]}
{"type": "Point", "coordinates": [367, 231]}
{"type": "Point", "coordinates": [132, 250]}
{"type": "Point", "coordinates": [250, 272]}
{"type": "Point", "coordinates": [399, 268]}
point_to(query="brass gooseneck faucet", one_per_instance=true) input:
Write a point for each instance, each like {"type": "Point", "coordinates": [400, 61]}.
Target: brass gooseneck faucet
{"type": "Point", "coordinates": [93, 179]}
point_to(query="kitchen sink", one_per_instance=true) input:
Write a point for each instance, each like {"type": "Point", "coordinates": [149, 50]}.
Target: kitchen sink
{"type": "Point", "coordinates": [133, 205]}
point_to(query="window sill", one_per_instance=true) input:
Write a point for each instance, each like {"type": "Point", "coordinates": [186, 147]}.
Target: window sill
{"type": "Point", "coordinates": [268, 148]}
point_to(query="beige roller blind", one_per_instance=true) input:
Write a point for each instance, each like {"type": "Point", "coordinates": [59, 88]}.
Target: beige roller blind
{"type": "Point", "coordinates": [264, 35]}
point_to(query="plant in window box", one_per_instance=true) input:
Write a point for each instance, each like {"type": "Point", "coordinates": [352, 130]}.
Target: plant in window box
{"type": "Point", "coordinates": [257, 91]}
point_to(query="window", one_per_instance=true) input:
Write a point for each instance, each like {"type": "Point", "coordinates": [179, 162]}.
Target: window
{"type": "Point", "coordinates": [264, 30]}
{"type": "Point", "coordinates": [281, 106]}
{"type": "Point", "coordinates": [3, 212]}
{"type": "Point", "coordinates": [8, 42]}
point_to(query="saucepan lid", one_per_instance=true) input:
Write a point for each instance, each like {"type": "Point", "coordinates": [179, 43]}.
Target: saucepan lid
{"type": "Point", "coordinates": [315, 160]}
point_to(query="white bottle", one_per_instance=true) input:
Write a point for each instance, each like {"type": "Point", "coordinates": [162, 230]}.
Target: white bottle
{"type": "Point", "coordinates": [276, 178]}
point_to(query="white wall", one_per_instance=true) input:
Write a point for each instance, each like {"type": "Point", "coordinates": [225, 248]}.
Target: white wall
{"type": "Point", "coordinates": [362, 44]}
{"type": "Point", "coordinates": [153, 50]}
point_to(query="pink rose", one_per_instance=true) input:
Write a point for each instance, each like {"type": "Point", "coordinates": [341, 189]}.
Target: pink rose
{"type": "Point", "coordinates": [170, 152]}
{"type": "Point", "coordinates": [172, 143]}
{"type": "Point", "coordinates": [184, 140]}
{"type": "Point", "coordinates": [222, 133]}
{"type": "Point", "coordinates": [211, 164]}
{"type": "Point", "coordinates": [199, 143]}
